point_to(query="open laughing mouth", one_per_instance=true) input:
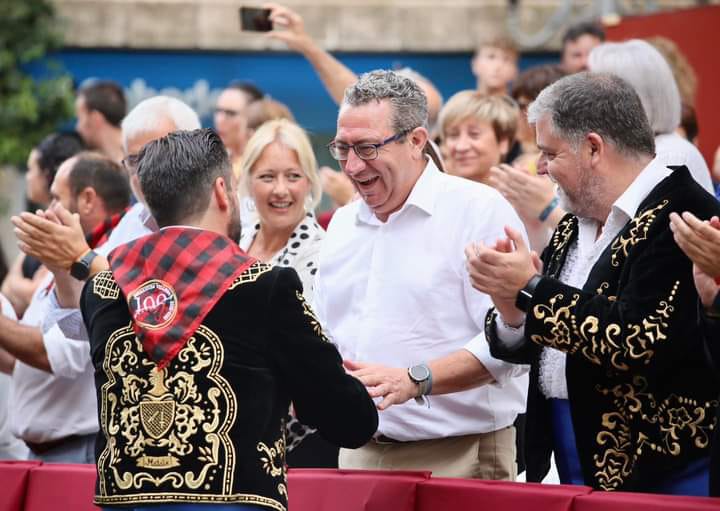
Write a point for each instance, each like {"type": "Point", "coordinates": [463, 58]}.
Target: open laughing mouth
{"type": "Point", "coordinates": [280, 205]}
{"type": "Point", "coordinates": [367, 182]}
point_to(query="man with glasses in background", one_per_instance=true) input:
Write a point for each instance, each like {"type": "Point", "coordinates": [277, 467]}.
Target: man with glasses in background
{"type": "Point", "coordinates": [231, 116]}
{"type": "Point", "coordinates": [393, 293]}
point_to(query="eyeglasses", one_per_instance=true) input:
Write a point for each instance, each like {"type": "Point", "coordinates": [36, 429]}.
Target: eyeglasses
{"type": "Point", "coordinates": [227, 112]}
{"type": "Point", "coordinates": [366, 151]}
{"type": "Point", "coordinates": [130, 162]}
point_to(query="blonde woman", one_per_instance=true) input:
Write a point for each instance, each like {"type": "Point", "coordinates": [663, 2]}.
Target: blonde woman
{"type": "Point", "coordinates": [278, 177]}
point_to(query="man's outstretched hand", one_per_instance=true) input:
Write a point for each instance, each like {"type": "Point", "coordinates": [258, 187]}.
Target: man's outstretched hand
{"type": "Point", "coordinates": [390, 383]}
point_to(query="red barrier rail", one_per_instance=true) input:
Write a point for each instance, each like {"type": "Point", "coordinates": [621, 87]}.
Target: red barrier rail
{"type": "Point", "coordinates": [29, 486]}
{"type": "Point", "coordinates": [14, 477]}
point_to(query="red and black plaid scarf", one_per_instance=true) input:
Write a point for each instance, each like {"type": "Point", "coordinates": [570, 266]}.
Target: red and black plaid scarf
{"type": "Point", "coordinates": [171, 280]}
{"type": "Point", "coordinates": [101, 233]}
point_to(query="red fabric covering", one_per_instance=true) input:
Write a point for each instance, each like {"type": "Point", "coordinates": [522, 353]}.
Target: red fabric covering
{"type": "Point", "coordinates": [14, 477]}
{"type": "Point", "coordinates": [470, 494]}
{"type": "Point", "coordinates": [56, 486]}
{"type": "Point", "coordinates": [29, 486]}
{"type": "Point", "coordinates": [353, 490]}
{"type": "Point", "coordinates": [620, 501]}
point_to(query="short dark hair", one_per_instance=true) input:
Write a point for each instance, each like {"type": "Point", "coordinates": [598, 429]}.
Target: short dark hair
{"type": "Point", "coordinates": [602, 103]}
{"type": "Point", "coordinates": [253, 92]}
{"type": "Point", "coordinates": [55, 149]}
{"type": "Point", "coordinates": [102, 175]}
{"type": "Point", "coordinates": [574, 32]}
{"type": "Point", "coordinates": [689, 122]}
{"type": "Point", "coordinates": [531, 81]}
{"type": "Point", "coordinates": [177, 173]}
{"type": "Point", "coordinates": [106, 97]}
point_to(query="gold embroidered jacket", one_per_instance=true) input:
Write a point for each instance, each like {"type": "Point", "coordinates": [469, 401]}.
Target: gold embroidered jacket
{"type": "Point", "coordinates": [209, 427]}
{"type": "Point", "coordinates": [642, 398]}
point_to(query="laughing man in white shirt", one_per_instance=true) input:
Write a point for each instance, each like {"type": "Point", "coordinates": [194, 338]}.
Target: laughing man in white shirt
{"type": "Point", "coordinates": [394, 294]}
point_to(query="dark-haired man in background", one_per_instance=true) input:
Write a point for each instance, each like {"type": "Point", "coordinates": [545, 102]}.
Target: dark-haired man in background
{"type": "Point", "coordinates": [100, 107]}
{"type": "Point", "coordinates": [231, 118]}
{"type": "Point", "coordinates": [577, 43]}
{"type": "Point", "coordinates": [52, 405]}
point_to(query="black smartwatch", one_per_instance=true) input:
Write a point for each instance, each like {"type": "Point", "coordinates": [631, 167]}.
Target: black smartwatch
{"type": "Point", "coordinates": [421, 375]}
{"type": "Point", "coordinates": [81, 269]}
{"type": "Point", "coordinates": [522, 301]}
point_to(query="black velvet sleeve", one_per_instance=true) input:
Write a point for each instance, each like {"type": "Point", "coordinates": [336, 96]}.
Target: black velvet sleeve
{"type": "Point", "coordinates": [710, 328]}
{"type": "Point", "coordinates": [524, 353]}
{"type": "Point", "coordinates": [103, 310]}
{"type": "Point", "coordinates": [323, 394]}
{"type": "Point", "coordinates": [643, 327]}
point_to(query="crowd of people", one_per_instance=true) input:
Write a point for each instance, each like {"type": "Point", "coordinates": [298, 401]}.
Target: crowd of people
{"type": "Point", "coordinates": [525, 271]}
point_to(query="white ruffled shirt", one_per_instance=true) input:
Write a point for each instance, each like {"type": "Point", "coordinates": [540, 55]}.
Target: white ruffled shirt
{"type": "Point", "coordinates": [582, 256]}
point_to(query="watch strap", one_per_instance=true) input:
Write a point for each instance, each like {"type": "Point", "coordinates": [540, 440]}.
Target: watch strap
{"type": "Point", "coordinates": [524, 296]}
{"type": "Point", "coordinates": [80, 269]}
{"type": "Point", "coordinates": [425, 384]}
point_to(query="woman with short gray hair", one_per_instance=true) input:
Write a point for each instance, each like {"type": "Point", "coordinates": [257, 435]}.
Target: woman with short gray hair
{"type": "Point", "coordinates": [646, 70]}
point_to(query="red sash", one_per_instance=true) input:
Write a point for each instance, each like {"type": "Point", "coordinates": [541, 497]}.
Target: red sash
{"type": "Point", "coordinates": [101, 233]}
{"type": "Point", "coordinates": [171, 280]}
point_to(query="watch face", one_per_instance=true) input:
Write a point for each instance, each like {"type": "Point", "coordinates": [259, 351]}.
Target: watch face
{"type": "Point", "coordinates": [419, 373]}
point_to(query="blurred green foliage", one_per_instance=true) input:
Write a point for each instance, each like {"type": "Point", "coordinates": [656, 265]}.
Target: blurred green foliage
{"type": "Point", "coordinates": [29, 108]}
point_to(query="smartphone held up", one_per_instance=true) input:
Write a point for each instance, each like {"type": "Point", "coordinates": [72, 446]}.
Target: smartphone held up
{"type": "Point", "coordinates": [254, 19]}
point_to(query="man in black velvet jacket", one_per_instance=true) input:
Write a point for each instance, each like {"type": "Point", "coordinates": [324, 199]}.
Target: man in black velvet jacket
{"type": "Point", "coordinates": [619, 387]}
{"type": "Point", "coordinates": [199, 349]}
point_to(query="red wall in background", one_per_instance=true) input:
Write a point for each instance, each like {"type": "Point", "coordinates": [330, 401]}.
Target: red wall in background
{"type": "Point", "coordinates": [697, 32]}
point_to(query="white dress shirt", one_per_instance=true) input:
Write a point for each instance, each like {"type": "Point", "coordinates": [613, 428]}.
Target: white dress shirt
{"type": "Point", "coordinates": [10, 447]}
{"type": "Point", "coordinates": [45, 406]}
{"type": "Point", "coordinates": [135, 223]}
{"type": "Point", "coordinates": [397, 293]}
{"type": "Point", "coordinates": [584, 253]}
{"type": "Point", "coordinates": [672, 149]}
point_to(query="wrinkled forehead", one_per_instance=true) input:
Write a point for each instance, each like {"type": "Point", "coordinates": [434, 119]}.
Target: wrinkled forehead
{"type": "Point", "coordinates": [372, 117]}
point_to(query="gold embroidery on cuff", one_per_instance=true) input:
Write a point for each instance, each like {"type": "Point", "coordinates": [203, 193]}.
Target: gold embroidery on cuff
{"type": "Point", "coordinates": [104, 285]}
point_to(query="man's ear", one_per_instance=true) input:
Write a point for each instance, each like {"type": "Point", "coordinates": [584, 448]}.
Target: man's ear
{"type": "Point", "coordinates": [221, 192]}
{"type": "Point", "coordinates": [417, 139]}
{"type": "Point", "coordinates": [596, 146]}
{"type": "Point", "coordinates": [96, 117]}
{"type": "Point", "coordinates": [86, 200]}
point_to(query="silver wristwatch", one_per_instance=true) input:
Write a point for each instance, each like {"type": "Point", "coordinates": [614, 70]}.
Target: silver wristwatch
{"type": "Point", "coordinates": [421, 375]}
